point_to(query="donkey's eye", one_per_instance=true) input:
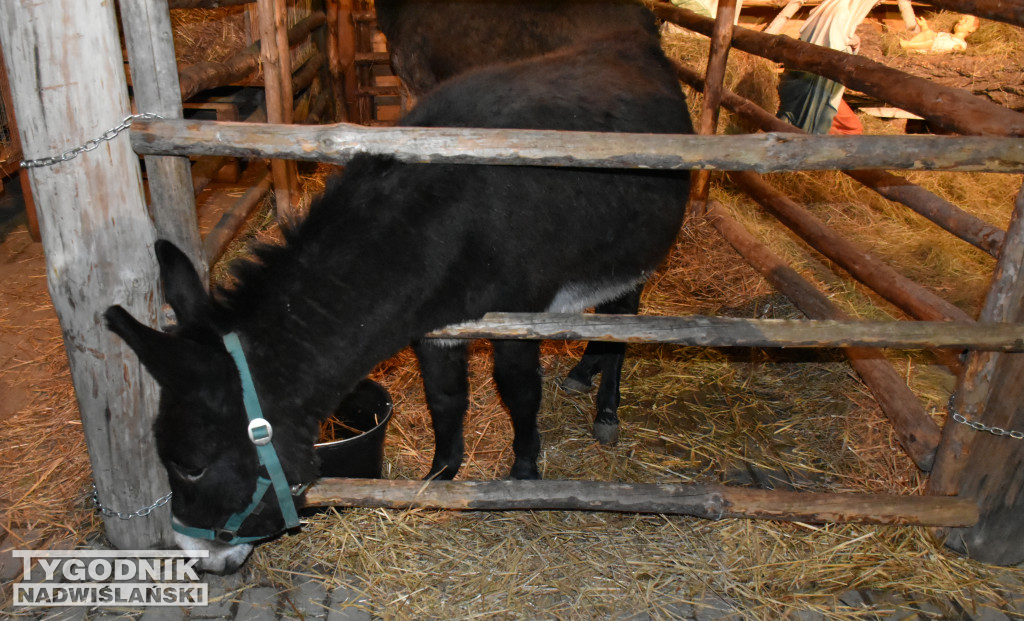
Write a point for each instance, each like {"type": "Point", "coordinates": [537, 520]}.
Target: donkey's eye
{"type": "Point", "coordinates": [191, 475]}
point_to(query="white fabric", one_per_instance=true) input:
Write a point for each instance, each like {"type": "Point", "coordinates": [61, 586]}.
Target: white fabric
{"type": "Point", "coordinates": [833, 24]}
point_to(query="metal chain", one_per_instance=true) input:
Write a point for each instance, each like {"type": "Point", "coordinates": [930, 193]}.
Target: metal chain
{"type": "Point", "coordinates": [975, 425]}
{"type": "Point", "coordinates": [127, 515]}
{"type": "Point", "coordinates": [110, 134]}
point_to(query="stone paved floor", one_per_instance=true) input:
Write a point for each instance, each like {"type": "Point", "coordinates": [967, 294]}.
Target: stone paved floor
{"type": "Point", "coordinates": [230, 598]}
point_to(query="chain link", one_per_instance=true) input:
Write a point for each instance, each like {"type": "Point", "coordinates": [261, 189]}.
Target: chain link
{"type": "Point", "coordinates": [975, 425]}
{"type": "Point", "coordinates": [127, 515]}
{"type": "Point", "coordinates": [110, 134]}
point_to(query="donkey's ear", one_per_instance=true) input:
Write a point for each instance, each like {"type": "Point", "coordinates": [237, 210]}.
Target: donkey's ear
{"type": "Point", "coordinates": [182, 287]}
{"type": "Point", "coordinates": [171, 360]}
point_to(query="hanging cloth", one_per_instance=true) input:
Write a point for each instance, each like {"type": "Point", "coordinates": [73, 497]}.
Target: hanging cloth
{"type": "Point", "coordinates": [810, 101]}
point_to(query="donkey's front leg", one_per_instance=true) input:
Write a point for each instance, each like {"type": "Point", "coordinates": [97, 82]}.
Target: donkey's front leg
{"type": "Point", "coordinates": [518, 377]}
{"type": "Point", "coordinates": [445, 383]}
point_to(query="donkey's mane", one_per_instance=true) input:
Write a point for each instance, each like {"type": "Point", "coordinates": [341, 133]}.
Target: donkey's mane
{"type": "Point", "coordinates": [337, 212]}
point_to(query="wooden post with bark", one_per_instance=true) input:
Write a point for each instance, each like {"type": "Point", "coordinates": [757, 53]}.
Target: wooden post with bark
{"type": "Point", "coordinates": [982, 455]}
{"type": "Point", "coordinates": [344, 45]}
{"type": "Point", "coordinates": [69, 87]}
{"type": "Point", "coordinates": [714, 78]}
{"type": "Point", "coordinates": [340, 142]}
{"type": "Point", "coordinates": [277, 83]}
{"type": "Point", "coordinates": [147, 33]}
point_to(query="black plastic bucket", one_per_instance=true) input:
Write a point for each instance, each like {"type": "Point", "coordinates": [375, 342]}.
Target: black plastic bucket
{"type": "Point", "coordinates": [367, 410]}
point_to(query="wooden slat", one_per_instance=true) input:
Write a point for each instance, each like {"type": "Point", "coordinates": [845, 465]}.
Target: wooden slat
{"type": "Point", "coordinates": [372, 58]}
{"type": "Point", "coordinates": [736, 332]}
{"type": "Point", "coordinates": [380, 91]}
{"type": "Point", "coordinates": [216, 241]}
{"type": "Point", "coordinates": [276, 61]}
{"type": "Point", "coordinates": [707, 501]}
{"type": "Point", "coordinates": [338, 143]}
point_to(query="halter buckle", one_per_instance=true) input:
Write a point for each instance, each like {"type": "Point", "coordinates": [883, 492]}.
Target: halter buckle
{"type": "Point", "coordinates": [260, 431]}
{"type": "Point", "coordinates": [223, 535]}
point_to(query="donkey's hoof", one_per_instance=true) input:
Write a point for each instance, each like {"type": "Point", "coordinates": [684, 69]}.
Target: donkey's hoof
{"type": "Point", "coordinates": [574, 386]}
{"type": "Point", "coordinates": [606, 433]}
{"type": "Point", "coordinates": [524, 473]}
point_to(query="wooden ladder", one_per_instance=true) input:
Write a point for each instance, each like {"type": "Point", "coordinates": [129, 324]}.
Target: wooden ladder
{"type": "Point", "coordinates": [379, 92]}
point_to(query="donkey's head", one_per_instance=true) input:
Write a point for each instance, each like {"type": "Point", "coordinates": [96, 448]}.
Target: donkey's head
{"type": "Point", "coordinates": [227, 491]}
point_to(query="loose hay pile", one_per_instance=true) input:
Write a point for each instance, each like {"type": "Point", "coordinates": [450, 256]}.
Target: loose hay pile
{"type": "Point", "coordinates": [747, 417]}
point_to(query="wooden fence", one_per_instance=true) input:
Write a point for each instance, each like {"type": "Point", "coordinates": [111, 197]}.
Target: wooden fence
{"type": "Point", "coordinates": [976, 466]}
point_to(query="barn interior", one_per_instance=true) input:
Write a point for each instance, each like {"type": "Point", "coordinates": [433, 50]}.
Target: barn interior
{"type": "Point", "coordinates": [798, 419]}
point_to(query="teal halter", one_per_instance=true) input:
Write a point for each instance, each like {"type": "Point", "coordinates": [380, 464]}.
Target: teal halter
{"type": "Point", "coordinates": [260, 433]}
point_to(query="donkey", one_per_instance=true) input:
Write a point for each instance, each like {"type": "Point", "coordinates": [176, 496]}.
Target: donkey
{"type": "Point", "coordinates": [433, 40]}
{"type": "Point", "coordinates": [392, 251]}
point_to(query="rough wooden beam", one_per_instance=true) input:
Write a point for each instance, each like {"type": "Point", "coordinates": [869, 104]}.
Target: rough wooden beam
{"type": "Point", "coordinates": [737, 332]}
{"type": "Point", "coordinates": [915, 430]}
{"type": "Point", "coordinates": [714, 77]}
{"type": "Point", "coordinates": [975, 463]}
{"type": "Point", "coordinates": [707, 501]}
{"type": "Point", "coordinates": [276, 63]}
{"type": "Point", "coordinates": [1009, 11]}
{"type": "Point", "coordinates": [941, 212]}
{"type": "Point", "coordinates": [226, 229]}
{"type": "Point", "coordinates": [339, 143]}
{"type": "Point", "coordinates": [947, 107]}
{"type": "Point", "coordinates": [68, 83]}
{"type": "Point", "coordinates": [149, 42]}
{"type": "Point", "coordinates": [887, 282]}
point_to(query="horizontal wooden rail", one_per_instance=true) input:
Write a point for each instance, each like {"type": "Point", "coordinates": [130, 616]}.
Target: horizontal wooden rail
{"type": "Point", "coordinates": [704, 331]}
{"type": "Point", "coordinates": [952, 108]}
{"type": "Point", "coordinates": [707, 501]}
{"type": "Point", "coordinates": [339, 143]}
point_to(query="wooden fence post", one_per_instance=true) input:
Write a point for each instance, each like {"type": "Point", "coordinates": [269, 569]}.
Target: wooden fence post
{"type": "Point", "coordinates": [148, 38]}
{"type": "Point", "coordinates": [67, 76]}
{"type": "Point", "coordinates": [973, 462]}
{"type": "Point", "coordinates": [278, 86]}
{"type": "Point", "coordinates": [714, 77]}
